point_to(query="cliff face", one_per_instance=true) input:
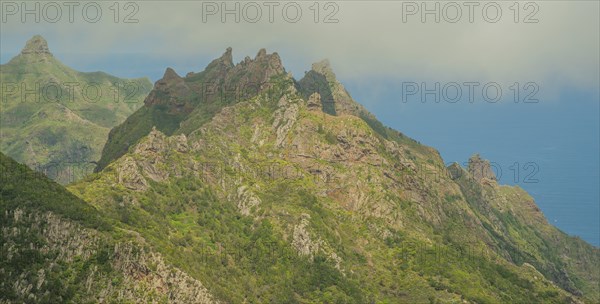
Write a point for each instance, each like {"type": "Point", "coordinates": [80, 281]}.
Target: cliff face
{"type": "Point", "coordinates": [50, 259]}
{"type": "Point", "coordinates": [305, 206]}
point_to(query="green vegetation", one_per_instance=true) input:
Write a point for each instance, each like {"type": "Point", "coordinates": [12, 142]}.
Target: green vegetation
{"type": "Point", "coordinates": [196, 222]}
{"type": "Point", "coordinates": [56, 119]}
{"type": "Point", "coordinates": [25, 196]}
{"type": "Point", "coordinates": [26, 189]}
{"type": "Point", "coordinates": [264, 201]}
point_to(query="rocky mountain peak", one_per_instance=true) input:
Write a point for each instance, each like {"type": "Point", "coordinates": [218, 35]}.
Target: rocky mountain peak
{"type": "Point", "coordinates": [456, 171]}
{"type": "Point", "coordinates": [169, 90]}
{"type": "Point", "coordinates": [222, 63]}
{"type": "Point", "coordinates": [480, 168]}
{"type": "Point", "coordinates": [323, 67]}
{"type": "Point", "coordinates": [271, 61]}
{"type": "Point", "coordinates": [227, 57]}
{"type": "Point", "coordinates": [254, 71]}
{"type": "Point", "coordinates": [334, 97]}
{"type": "Point", "coordinates": [37, 45]}
{"type": "Point", "coordinates": [170, 74]}
{"type": "Point", "coordinates": [261, 53]}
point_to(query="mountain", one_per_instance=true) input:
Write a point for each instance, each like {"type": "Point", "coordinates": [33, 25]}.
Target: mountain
{"type": "Point", "coordinates": [294, 193]}
{"type": "Point", "coordinates": [240, 184]}
{"type": "Point", "coordinates": [55, 119]}
{"type": "Point", "coordinates": [180, 105]}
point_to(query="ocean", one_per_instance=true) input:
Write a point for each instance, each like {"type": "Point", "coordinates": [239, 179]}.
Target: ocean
{"type": "Point", "coordinates": [551, 149]}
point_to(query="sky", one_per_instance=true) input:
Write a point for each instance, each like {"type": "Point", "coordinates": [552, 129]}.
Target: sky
{"type": "Point", "coordinates": [543, 56]}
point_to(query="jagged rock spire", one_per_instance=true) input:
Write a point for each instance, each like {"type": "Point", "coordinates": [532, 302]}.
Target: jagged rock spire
{"type": "Point", "coordinates": [261, 53]}
{"type": "Point", "coordinates": [170, 74]}
{"type": "Point", "coordinates": [323, 67]}
{"type": "Point", "coordinates": [37, 45]}
{"type": "Point", "coordinates": [456, 171]}
{"type": "Point", "coordinates": [227, 57]}
{"type": "Point", "coordinates": [480, 168]}
{"type": "Point", "coordinates": [223, 63]}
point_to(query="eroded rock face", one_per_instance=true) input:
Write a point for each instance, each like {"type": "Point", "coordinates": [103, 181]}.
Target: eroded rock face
{"type": "Point", "coordinates": [285, 117]}
{"type": "Point", "coordinates": [157, 276]}
{"type": "Point", "coordinates": [456, 171]}
{"type": "Point", "coordinates": [154, 143]}
{"type": "Point", "coordinates": [151, 151]}
{"type": "Point", "coordinates": [149, 160]}
{"type": "Point", "coordinates": [246, 200]}
{"type": "Point", "coordinates": [129, 175]}
{"type": "Point", "coordinates": [179, 143]}
{"type": "Point", "coordinates": [480, 169]}
{"type": "Point", "coordinates": [301, 238]}
{"type": "Point", "coordinates": [306, 246]}
{"type": "Point", "coordinates": [143, 276]}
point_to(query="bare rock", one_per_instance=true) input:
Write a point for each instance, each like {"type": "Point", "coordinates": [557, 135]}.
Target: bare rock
{"type": "Point", "coordinates": [314, 102]}
{"type": "Point", "coordinates": [37, 45]}
{"type": "Point", "coordinates": [129, 175]}
{"type": "Point", "coordinates": [285, 117]}
{"type": "Point", "coordinates": [247, 200]}
{"type": "Point", "coordinates": [179, 143]}
{"type": "Point", "coordinates": [302, 240]}
{"type": "Point", "coordinates": [480, 169]}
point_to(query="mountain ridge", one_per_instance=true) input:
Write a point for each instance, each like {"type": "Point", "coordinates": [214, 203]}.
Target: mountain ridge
{"type": "Point", "coordinates": [292, 192]}
{"type": "Point", "coordinates": [222, 83]}
{"type": "Point", "coordinates": [54, 118]}
{"type": "Point", "coordinates": [364, 203]}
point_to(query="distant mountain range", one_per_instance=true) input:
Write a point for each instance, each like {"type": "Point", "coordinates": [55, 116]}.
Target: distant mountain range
{"type": "Point", "coordinates": [56, 119]}
{"type": "Point", "coordinates": [241, 184]}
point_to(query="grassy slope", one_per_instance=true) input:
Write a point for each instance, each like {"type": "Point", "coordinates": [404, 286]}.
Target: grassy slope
{"type": "Point", "coordinates": [57, 133]}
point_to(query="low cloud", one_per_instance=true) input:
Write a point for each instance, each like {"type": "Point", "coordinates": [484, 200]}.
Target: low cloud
{"type": "Point", "coordinates": [370, 39]}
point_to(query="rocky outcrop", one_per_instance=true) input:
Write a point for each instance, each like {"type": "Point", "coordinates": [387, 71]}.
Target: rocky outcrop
{"type": "Point", "coordinates": [480, 169]}
{"type": "Point", "coordinates": [306, 246]}
{"type": "Point", "coordinates": [222, 80]}
{"type": "Point", "coordinates": [148, 273]}
{"type": "Point", "coordinates": [113, 272]}
{"type": "Point", "coordinates": [151, 151]}
{"type": "Point", "coordinates": [246, 200]}
{"type": "Point", "coordinates": [301, 239]}
{"type": "Point", "coordinates": [456, 171]}
{"type": "Point", "coordinates": [314, 102]}
{"type": "Point", "coordinates": [284, 118]}
{"type": "Point", "coordinates": [128, 175]}
{"type": "Point", "coordinates": [37, 45]}
{"type": "Point", "coordinates": [222, 63]}
{"type": "Point", "coordinates": [171, 91]}
{"type": "Point", "coordinates": [155, 143]}
{"type": "Point", "coordinates": [148, 160]}
{"type": "Point", "coordinates": [334, 97]}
